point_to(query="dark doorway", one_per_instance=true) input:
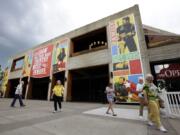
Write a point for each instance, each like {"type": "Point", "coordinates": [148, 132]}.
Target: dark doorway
{"type": "Point", "coordinates": [59, 76]}
{"type": "Point", "coordinates": [12, 88]}
{"type": "Point", "coordinates": [88, 84]}
{"type": "Point", "coordinates": [92, 41]}
{"type": "Point", "coordinates": [13, 85]}
{"type": "Point", "coordinates": [40, 88]}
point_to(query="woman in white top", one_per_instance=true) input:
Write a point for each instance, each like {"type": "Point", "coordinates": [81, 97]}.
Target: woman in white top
{"type": "Point", "coordinates": [110, 94]}
{"type": "Point", "coordinates": [18, 95]}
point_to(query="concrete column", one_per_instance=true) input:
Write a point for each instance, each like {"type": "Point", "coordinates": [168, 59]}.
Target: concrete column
{"type": "Point", "coordinates": [65, 85]}
{"type": "Point", "coordinates": [27, 88]}
{"type": "Point", "coordinates": [110, 73]}
{"type": "Point", "coordinates": [142, 42]}
{"type": "Point", "coordinates": [49, 88]}
{"type": "Point", "coordinates": [67, 78]}
{"type": "Point", "coordinates": [50, 82]}
{"type": "Point", "coordinates": [109, 54]}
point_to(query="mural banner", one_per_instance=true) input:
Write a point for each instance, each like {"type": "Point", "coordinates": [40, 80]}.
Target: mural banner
{"type": "Point", "coordinates": [41, 62]}
{"type": "Point", "coordinates": [5, 77]}
{"type": "Point", "coordinates": [27, 64]}
{"type": "Point", "coordinates": [126, 58]}
{"type": "Point", "coordinates": [60, 56]}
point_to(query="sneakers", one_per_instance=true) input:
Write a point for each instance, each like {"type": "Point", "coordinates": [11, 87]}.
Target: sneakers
{"type": "Point", "coordinates": [141, 117]}
{"type": "Point", "coordinates": [150, 123]}
{"type": "Point", "coordinates": [162, 129]}
{"type": "Point", "coordinates": [112, 114]}
{"type": "Point", "coordinates": [59, 110]}
{"type": "Point", "coordinates": [54, 111]}
{"type": "Point", "coordinates": [108, 113]}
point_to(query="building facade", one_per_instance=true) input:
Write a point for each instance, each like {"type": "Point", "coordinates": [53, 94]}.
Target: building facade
{"type": "Point", "coordinates": [114, 49]}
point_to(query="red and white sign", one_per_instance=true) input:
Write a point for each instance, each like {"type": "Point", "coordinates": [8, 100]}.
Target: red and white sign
{"type": "Point", "coordinates": [172, 71]}
{"type": "Point", "coordinates": [41, 64]}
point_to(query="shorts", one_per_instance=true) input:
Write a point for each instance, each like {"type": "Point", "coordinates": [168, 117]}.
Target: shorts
{"type": "Point", "coordinates": [110, 99]}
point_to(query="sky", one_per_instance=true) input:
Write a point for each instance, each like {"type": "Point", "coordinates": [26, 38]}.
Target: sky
{"type": "Point", "coordinates": [27, 23]}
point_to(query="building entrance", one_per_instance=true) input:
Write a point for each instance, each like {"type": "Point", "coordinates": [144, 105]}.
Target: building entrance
{"type": "Point", "coordinates": [39, 88]}
{"type": "Point", "coordinates": [88, 84]}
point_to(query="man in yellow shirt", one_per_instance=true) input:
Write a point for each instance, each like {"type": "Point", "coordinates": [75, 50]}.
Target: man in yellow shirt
{"type": "Point", "coordinates": [57, 94]}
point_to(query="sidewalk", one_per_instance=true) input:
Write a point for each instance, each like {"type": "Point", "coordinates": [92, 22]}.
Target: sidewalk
{"type": "Point", "coordinates": [75, 119]}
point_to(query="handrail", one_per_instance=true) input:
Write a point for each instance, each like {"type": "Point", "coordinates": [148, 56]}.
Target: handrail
{"type": "Point", "coordinates": [172, 103]}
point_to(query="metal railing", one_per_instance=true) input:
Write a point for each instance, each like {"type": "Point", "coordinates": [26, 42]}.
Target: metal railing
{"type": "Point", "coordinates": [172, 103]}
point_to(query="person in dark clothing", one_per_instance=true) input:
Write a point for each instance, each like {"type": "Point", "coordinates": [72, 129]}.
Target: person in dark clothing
{"type": "Point", "coordinates": [61, 55]}
{"type": "Point", "coordinates": [121, 90]}
{"type": "Point", "coordinates": [126, 32]}
{"type": "Point", "coordinates": [57, 95]}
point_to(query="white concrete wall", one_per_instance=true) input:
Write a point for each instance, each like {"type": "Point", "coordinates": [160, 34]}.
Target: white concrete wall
{"type": "Point", "coordinates": [164, 52]}
{"type": "Point", "coordinates": [90, 59]}
{"type": "Point", "coordinates": [15, 74]}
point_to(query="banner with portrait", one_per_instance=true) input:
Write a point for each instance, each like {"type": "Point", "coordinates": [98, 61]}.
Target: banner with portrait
{"type": "Point", "coordinates": [41, 62]}
{"type": "Point", "coordinates": [126, 58]}
{"type": "Point", "coordinates": [60, 56]}
{"type": "Point", "coordinates": [27, 64]}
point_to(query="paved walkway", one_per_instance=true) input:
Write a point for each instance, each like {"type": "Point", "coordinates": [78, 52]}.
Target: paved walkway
{"type": "Point", "coordinates": [75, 119]}
{"type": "Point", "coordinates": [122, 113]}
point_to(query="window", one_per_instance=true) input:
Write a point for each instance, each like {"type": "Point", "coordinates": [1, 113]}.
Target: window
{"type": "Point", "coordinates": [91, 41]}
{"type": "Point", "coordinates": [17, 64]}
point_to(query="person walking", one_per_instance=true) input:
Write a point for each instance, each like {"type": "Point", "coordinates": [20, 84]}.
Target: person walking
{"type": "Point", "coordinates": [18, 95]}
{"type": "Point", "coordinates": [139, 89]}
{"type": "Point", "coordinates": [151, 99]}
{"type": "Point", "coordinates": [57, 94]}
{"type": "Point", "coordinates": [110, 94]}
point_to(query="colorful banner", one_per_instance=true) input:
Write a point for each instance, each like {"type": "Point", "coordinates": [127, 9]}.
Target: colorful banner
{"type": "Point", "coordinates": [41, 63]}
{"type": "Point", "coordinates": [5, 76]}
{"type": "Point", "coordinates": [27, 64]}
{"type": "Point", "coordinates": [60, 56]}
{"type": "Point", "coordinates": [126, 59]}
{"type": "Point", "coordinates": [5, 80]}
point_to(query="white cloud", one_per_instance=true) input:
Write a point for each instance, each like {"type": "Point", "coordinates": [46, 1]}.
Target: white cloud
{"type": "Point", "coordinates": [28, 23]}
{"type": "Point", "coordinates": [61, 16]}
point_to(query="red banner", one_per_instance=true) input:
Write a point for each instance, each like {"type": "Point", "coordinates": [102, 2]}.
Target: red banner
{"type": "Point", "coordinates": [173, 71]}
{"type": "Point", "coordinates": [41, 64]}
